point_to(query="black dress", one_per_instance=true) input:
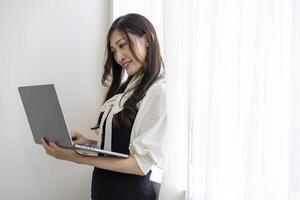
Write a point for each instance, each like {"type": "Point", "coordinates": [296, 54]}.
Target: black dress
{"type": "Point", "coordinates": [110, 185]}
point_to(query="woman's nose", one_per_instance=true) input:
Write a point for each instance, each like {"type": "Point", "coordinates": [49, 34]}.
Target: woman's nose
{"type": "Point", "coordinates": [120, 57]}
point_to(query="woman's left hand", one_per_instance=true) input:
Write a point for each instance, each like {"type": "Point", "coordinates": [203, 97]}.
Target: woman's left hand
{"type": "Point", "coordinates": [61, 153]}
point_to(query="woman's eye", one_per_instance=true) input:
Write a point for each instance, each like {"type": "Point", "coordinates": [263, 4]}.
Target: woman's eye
{"type": "Point", "coordinates": [122, 45]}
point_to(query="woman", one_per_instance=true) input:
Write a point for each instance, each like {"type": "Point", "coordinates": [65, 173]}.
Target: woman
{"type": "Point", "coordinates": [133, 117]}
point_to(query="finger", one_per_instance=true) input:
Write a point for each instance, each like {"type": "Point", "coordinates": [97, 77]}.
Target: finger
{"type": "Point", "coordinates": [77, 141]}
{"type": "Point", "coordinates": [54, 146]}
{"type": "Point", "coordinates": [74, 138]}
{"type": "Point", "coordinates": [74, 133]}
{"type": "Point", "coordinates": [44, 143]}
{"type": "Point", "coordinates": [47, 149]}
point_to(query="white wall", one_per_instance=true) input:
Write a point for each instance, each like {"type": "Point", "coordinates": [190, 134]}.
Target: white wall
{"type": "Point", "coordinates": [60, 42]}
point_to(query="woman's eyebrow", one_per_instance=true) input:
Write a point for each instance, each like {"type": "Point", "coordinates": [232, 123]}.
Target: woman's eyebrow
{"type": "Point", "coordinates": [117, 42]}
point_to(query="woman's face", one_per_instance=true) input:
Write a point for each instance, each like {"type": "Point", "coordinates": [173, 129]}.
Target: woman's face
{"type": "Point", "coordinates": [119, 47]}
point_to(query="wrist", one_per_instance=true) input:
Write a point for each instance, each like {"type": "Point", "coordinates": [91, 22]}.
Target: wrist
{"type": "Point", "coordinates": [78, 158]}
{"type": "Point", "coordinates": [83, 160]}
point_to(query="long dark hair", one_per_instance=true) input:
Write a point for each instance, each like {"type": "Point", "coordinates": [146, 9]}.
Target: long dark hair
{"type": "Point", "coordinates": [152, 68]}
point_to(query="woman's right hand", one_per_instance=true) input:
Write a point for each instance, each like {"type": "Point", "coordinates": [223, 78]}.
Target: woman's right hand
{"type": "Point", "coordinates": [79, 139]}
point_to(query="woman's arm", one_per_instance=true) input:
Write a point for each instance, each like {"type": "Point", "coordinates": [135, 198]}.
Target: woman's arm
{"type": "Point", "coordinates": [128, 165]}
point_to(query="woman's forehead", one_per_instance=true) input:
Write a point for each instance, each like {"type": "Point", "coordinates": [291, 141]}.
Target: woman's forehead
{"type": "Point", "coordinates": [116, 36]}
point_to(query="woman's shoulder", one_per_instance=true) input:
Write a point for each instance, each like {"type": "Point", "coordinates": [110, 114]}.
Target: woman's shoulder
{"type": "Point", "coordinates": [156, 91]}
{"type": "Point", "coordinates": [158, 86]}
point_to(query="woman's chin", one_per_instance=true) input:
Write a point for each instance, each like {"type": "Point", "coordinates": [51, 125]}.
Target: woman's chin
{"type": "Point", "coordinates": [130, 72]}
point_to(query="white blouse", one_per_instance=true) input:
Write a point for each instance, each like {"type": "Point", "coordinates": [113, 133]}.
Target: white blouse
{"type": "Point", "coordinates": [148, 134]}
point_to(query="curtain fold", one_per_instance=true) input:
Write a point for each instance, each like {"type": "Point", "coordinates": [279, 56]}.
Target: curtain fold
{"type": "Point", "coordinates": [174, 183]}
{"type": "Point", "coordinates": [294, 137]}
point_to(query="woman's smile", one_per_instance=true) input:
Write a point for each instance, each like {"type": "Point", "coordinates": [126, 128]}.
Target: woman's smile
{"type": "Point", "coordinates": [126, 64]}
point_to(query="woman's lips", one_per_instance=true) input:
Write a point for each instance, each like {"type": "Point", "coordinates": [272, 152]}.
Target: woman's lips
{"type": "Point", "coordinates": [125, 65]}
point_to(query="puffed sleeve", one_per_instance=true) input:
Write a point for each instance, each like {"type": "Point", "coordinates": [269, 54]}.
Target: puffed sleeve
{"type": "Point", "coordinates": [148, 136]}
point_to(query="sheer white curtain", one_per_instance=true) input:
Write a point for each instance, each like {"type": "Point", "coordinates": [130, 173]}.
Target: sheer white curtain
{"type": "Point", "coordinates": [294, 147]}
{"type": "Point", "coordinates": [233, 99]}
{"type": "Point", "coordinates": [239, 137]}
{"type": "Point", "coordinates": [239, 63]}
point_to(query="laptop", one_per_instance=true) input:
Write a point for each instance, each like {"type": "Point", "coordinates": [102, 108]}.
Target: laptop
{"type": "Point", "coordinates": [46, 120]}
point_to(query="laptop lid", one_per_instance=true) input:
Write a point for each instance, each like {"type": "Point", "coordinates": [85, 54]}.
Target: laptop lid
{"type": "Point", "coordinates": [44, 114]}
